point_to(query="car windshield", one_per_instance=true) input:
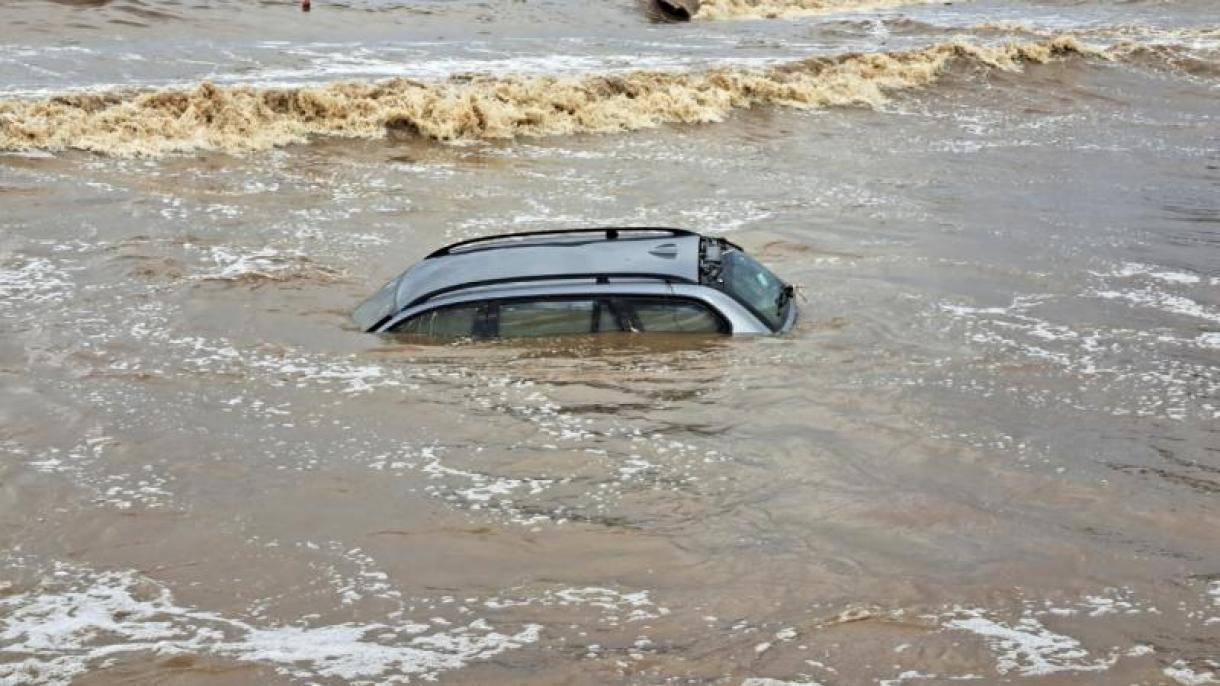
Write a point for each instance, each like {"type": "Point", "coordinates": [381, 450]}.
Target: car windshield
{"type": "Point", "coordinates": [753, 284]}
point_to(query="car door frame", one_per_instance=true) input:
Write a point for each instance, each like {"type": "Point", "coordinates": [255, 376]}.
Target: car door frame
{"type": "Point", "coordinates": [486, 323]}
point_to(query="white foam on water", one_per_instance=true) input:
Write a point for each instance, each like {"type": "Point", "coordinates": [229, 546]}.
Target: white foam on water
{"type": "Point", "coordinates": [1021, 647]}
{"type": "Point", "coordinates": [1140, 359]}
{"type": "Point", "coordinates": [1166, 302]}
{"type": "Point", "coordinates": [530, 500]}
{"type": "Point", "coordinates": [1210, 339]}
{"type": "Point", "coordinates": [362, 581]}
{"type": "Point", "coordinates": [23, 51]}
{"type": "Point", "coordinates": [1183, 674]}
{"type": "Point", "coordinates": [767, 681]}
{"type": "Point", "coordinates": [605, 598]}
{"type": "Point", "coordinates": [616, 608]}
{"type": "Point", "coordinates": [1100, 605]}
{"type": "Point", "coordinates": [909, 675]}
{"type": "Point", "coordinates": [1027, 647]}
{"type": "Point", "coordinates": [634, 465]}
{"type": "Point", "coordinates": [343, 64]}
{"type": "Point", "coordinates": [85, 465]}
{"type": "Point", "coordinates": [1129, 269]}
{"type": "Point", "coordinates": [523, 399]}
{"type": "Point", "coordinates": [265, 263]}
{"type": "Point", "coordinates": [35, 281]}
{"type": "Point", "coordinates": [485, 487]}
{"type": "Point", "coordinates": [346, 374]}
{"type": "Point", "coordinates": [82, 618]}
{"type": "Point", "coordinates": [1213, 590]}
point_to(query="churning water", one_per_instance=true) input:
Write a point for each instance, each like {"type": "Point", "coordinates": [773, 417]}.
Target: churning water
{"type": "Point", "coordinates": [990, 451]}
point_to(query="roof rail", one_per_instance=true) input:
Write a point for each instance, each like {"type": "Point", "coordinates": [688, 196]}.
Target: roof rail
{"type": "Point", "coordinates": [599, 277]}
{"type": "Point", "coordinates": [610, 233]}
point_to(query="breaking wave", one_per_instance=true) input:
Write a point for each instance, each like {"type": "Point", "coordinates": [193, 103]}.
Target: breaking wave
{"type": "Point", "coordinates": [1191, 63]}
{"type": "Point", "coordinates": [246, 118]}
{"type": "Point", "coordinates": [772, 9]}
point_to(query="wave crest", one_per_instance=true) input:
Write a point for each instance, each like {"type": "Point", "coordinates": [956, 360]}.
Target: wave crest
{"type": "Point", "coordinates": [772, 9]}
{"type": "Point", "coordinates": [245, 118]}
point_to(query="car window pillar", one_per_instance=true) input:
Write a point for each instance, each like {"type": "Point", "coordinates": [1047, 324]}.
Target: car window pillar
{"type": "Point", "coordinates": [627, 321]}
{"type": "Point", "coordinates": [487, 321]}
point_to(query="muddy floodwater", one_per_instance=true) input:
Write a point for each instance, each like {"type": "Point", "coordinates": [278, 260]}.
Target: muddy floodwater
{"type": "Point", "coordinates": [989, 452]}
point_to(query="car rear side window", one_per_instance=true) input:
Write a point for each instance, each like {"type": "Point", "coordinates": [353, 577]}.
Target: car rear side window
{"type": "Point", "coordinates": [445, 322]}
{"type": "Point", "coordinates": [674, 316]}
{"type": "Point", "coordinates": [546, 317]}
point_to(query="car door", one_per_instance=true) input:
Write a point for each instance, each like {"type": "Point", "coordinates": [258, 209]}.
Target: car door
{"type": "Point", "coordinates": [551, 317]}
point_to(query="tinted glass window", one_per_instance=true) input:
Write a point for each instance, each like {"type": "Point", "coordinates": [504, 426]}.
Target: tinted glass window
{"type": "Point", "coordinates": [675, 316]}
{"type": "Point", "coordinates": [606, 319]}
{"type": "Point", "coordinates": [753, 283]}
{"type": "Point", "coordinates": [447, 322]}
{"type": "Point", "coordinates": [546, 318]}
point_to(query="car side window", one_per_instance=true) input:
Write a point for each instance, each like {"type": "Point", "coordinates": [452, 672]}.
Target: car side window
{"type": "Point", "coordinates": [607, 320]}
{"type": "Point", "coordinates": [546, 317]}
{"type": "Point", "coordinates": [674, 316]}
{"type": "Point", "coordinates": [444, 322]}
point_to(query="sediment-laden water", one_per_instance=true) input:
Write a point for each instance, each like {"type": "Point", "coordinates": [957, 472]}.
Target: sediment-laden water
{"type": "Point", "coordinates": [989, 452]}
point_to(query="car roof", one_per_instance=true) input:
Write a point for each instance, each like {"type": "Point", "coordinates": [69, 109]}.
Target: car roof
{"type": "Point", "coordinates": [636, 252]}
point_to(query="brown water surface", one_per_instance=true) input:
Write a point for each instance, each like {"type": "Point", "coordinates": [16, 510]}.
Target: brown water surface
{"type": "Point", "coordinates": [989, 451]}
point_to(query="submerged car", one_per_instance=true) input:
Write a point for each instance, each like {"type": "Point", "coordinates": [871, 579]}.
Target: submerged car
{"type": "Point", "coordinates": [583, 281]}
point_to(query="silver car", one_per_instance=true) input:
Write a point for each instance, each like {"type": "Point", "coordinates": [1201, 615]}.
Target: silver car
{"type": "Point", "coordinates": [583, 281]}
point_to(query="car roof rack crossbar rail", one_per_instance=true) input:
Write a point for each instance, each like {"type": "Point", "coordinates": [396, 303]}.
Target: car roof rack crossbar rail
{"type": "Point", "coordinates": [596, 277]}
{"type": "Point", "coordinates": [609, 233]}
